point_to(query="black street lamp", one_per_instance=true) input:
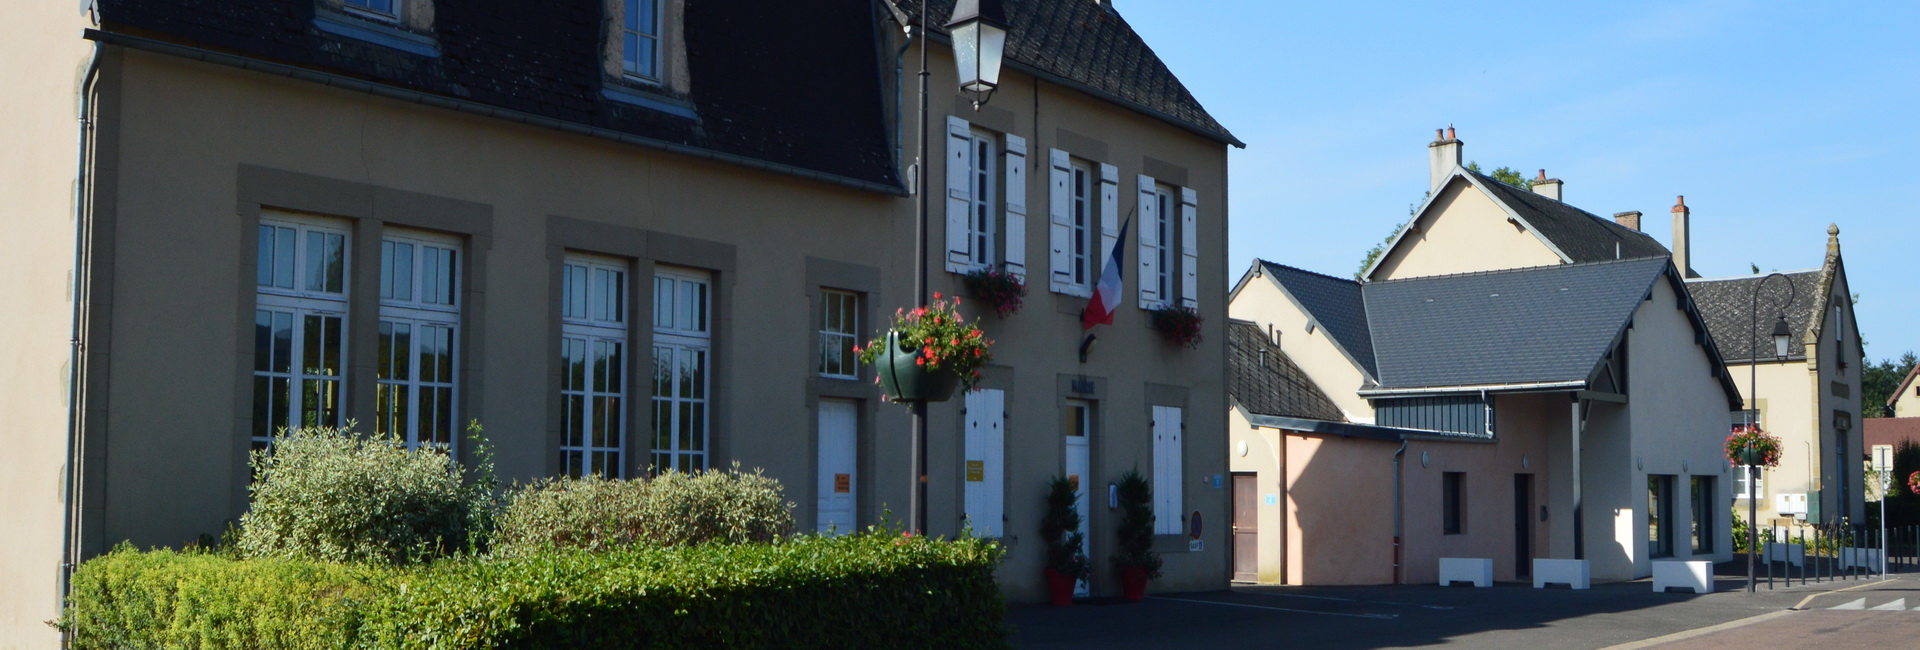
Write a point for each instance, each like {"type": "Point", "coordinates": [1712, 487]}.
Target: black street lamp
{"type": "Point", "coordinates": [1782, 337]}
{"type": "Point", "coordinates": [978, 29]}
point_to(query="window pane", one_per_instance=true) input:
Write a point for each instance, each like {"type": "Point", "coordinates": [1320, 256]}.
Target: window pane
{"type": "Point", "coordinates": [335, 265]}
{"type": "Point", "coordinates": [263, 268]}
{"type": "Point", "coordinates": [617, 295]}
{"type": "Point", "coordinates": [263, 422]}
{"type": "Point", "coordinates": [283, 245]}
{"type": "Point", "coordinates": [663, 302]}
{"type": "Point", "coordinates": [643, 59]}
{"type": "Point", "coordinates": [282, 342]}
{"type": "Point", "coordinates": [262, 341]}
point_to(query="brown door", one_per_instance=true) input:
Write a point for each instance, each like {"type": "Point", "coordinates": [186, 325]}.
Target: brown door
{"type": "Point", "coordinates": [1246, 533]}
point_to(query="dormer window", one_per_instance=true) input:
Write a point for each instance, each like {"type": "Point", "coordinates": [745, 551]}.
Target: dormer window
{"type": "Point", "coordinates": [388, 10]}
{"type": "Point", "coordinates": [640, 39]}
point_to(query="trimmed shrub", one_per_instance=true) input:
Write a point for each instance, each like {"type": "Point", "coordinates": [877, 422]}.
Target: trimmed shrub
{"type": "Point", "coordinates": [330, 494]}
{"type": "Point", "coordinates": [167, 599]}
{"type": "Point", "coordinates": [869, 590]}
{"type": "Point", "coordinates": [671, 509]}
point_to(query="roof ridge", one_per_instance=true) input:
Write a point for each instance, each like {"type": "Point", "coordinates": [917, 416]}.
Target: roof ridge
{"type": "Point", "coordinates": [1313, 273]}
{"type": "Point", "coordinates": [1731, 278]}
{"type": "Point", "coordinates": [1603, 221]}
{"type": "Point", "coordinates": [1518, 270]}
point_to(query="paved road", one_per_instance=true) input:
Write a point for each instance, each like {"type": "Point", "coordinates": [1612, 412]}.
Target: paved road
{"type": "Point", "coordinates": [1504, 616]}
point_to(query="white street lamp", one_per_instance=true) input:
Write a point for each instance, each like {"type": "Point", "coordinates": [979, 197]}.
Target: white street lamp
{"type": "Point", "coordinates": [979, 29]}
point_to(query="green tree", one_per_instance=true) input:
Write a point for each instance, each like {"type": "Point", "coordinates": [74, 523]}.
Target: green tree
{"type": "Point", "coordinates": [1879, 380]}
{"type": "Point", "coordinates": [1506, 175]}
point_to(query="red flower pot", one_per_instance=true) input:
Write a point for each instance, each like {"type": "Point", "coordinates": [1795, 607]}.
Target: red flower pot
{"type": "Point", "coordinates": [1133, 583]}
{"type": "Point", "coordinates": [1059, 588]}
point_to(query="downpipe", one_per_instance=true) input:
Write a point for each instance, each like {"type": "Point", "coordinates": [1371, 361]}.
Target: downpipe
{"type": "Point", "coordinates": [1397, 454]}
{"type": "Point", "coordinates": [71, 492]}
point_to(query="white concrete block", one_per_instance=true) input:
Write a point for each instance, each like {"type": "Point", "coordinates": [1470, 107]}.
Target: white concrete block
{"type": "Point", "coordinates": [1477, 570]}
{"type": "Point", "coordinates": [1577, 574]}
{"type": "Point", "coordinates": [1694, 574]}
{"type": "Point", "coordinates": [1794, 554]}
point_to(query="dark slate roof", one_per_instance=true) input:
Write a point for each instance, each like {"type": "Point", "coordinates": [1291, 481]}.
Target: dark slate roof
{"type": "Point", "coordinates": [791, 83]}
{"type": "Point", "coordinates": [1085, 43]}
{"type": "Point", "coordinates": [1335, 304]}
{"type": "Point", "coordinates": [1265, 382]}
{"type": "Point", "coordinates": [1583, 236]}
{"type": "Point", "coordinates": [1727, 304]}
{"type": "Point", "coordinates": [1534, 325]}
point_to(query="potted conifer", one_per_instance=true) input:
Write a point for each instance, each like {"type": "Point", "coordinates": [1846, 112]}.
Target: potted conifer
{"type": "Point", "coordinates": [1136, 560]}
{"type": "Point", "coordinates": [1060, 531]}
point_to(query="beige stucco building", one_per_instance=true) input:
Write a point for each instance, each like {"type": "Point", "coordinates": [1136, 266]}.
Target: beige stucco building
{"type": "Point", "coordinates": [1905, 401]}
{"type": "Point", "coordinates": [312, 212]}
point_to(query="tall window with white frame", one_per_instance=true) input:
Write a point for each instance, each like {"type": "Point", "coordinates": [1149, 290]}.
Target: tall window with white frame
{"type": "Point", "coordinates": [839, 329]}
{"type": "Point", "coordinates": [980, 220]}
{"type": "Point", "coordinates": [593, 366]}
{"type": "Point", "coordinates": [682, 360]}
{"type": "Point", "coordinates": [640, 39]}
{"type": "Point", "coordinates": [1166, 214]}
{"type": "Point", "coordinates": [299, 339]}
{"type": "Point", "coordinates": [416, 396]}
{"type": "Point", "coordinates": [1080, 254]}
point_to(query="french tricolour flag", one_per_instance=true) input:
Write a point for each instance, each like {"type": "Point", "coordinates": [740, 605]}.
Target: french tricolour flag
{"type": "Point", "coordinates": [1107, 296]}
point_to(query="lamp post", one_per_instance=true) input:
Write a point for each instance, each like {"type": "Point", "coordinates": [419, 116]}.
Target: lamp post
{"type": "Point", "coordinates": [1782, 336]}
{"type": "Point", "coordinates": [979, 32]}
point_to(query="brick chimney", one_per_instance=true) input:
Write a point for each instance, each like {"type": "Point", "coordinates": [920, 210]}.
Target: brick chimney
{"type": "Point", "coordinates": [1630, 219]}
{"type": "Point", "coordinates": [1443, 154]}
{"type": "Point", "coordinates": [1681, 253]}
{"type": "Point", "coordinates": [1547, 187]}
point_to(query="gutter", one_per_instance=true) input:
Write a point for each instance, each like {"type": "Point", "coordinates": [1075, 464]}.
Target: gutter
{"type": "Point", "coordinates": [1548, 386]}
{"type": "Point", "coordinates": [477, 108]}
{"type": "Point", "coordinates": [74, 482]}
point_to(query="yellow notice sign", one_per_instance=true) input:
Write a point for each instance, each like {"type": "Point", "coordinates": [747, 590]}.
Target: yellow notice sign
{"type": "Point", "coordinates": [1074, 479]}
{"type": "Point", "coordinates": [976, 471]}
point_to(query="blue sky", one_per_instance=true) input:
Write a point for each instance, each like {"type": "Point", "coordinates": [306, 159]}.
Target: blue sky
{"type": "Point", "coordinates": [1773, 118]}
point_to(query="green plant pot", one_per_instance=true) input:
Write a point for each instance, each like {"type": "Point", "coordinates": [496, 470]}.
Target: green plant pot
{"type": "Point", "coordinates": [1750, 456]}
{"type": "Point", "coordinates": [905, 381]}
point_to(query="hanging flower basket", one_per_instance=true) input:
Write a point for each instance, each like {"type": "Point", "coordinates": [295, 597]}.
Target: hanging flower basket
{"type": "Point", "coordinates": [1748, 445]}
{"type": "Point", "coordinates": [929, 352]}
{"type": "Point", "coordinates": [1913, 482]}
{"type": "Point", "coordinates": [999, 289]}
{"type": "Point", "coordinates": [1179, 325]}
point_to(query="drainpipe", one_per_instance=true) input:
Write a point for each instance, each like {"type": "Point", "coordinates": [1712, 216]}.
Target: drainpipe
{"type": "Point", "coordinates": [1397, 453]}
{"type": "Point", "coordinates": [82, 225]}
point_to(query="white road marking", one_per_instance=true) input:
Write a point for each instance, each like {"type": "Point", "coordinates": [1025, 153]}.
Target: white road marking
{"type": "Point", "coordinates": [1277, 609]}
{"type": "Point", "coordinates": [1858, 604]}
{"type": "Point", "coordinates": [1898, 605]}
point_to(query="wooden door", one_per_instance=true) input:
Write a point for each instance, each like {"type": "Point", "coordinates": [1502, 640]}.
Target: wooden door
{"type": "Point", "coordinates": [1246, 529]}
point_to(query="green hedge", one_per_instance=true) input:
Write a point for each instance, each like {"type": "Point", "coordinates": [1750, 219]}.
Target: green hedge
{"type": "Point", "coordinates": [858, 591]}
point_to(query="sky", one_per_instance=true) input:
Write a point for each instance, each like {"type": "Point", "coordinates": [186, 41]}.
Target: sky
{"type": "Point", "coordinates": [1774, 119]}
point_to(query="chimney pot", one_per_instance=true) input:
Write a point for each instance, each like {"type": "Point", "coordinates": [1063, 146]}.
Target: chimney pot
{"type": "Point", "coordinates": [1442, 157]}
{"type": "Point", "coordinates": [1680, 203]}
{"type": "Point", "coordinates": [1449, 131]}
{"type": "Point", "coordinates": [1543, 174]}
{"type": "Point", "coordinates": [1439, 135]}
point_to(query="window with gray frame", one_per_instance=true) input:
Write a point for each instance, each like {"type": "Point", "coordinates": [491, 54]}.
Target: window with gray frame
{"type": "Point", "coordinates": [1659, 516]}
{"type": "Point", "coordinates": [299, 325]}
{"type": "Point", "coordinates": [593, 362]}
{"type": "Point", "coordinates": [839, 330]}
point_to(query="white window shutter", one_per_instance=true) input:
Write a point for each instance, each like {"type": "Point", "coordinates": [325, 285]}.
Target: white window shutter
{"type": "Point", "coordinates": [959, 195]}
{"type": "Point", "coordinates": [1059, 221]}
{"type": "Point", "coordinates": [1016, 193]}
{"type": "Point", "coordinates": [1149, 229]}
{"type": "Point", "coordinates": [1189, 248]}
{"type": "Point", "coordinates": [1109, 217]}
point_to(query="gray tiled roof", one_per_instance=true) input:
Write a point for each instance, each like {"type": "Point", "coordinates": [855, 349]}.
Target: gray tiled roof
{"type": "Point", "coordinates": [1083, 42]}
{"type": "Point", "coordinates": [1582, 235]}
{"type": "Point", "coordinates": [1335, 304]}
{"type": "Point", "coordinates": [1534, 325]}
{"type": "Point", "coordinates": [1727, 305]}
{"type": "Point", "coordinates": [1266, 382]}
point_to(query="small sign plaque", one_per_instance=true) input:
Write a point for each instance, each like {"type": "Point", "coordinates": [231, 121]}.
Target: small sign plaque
{"type": "Point", "coordinates": [1074, 479]}
{"type": "Point", "coordinates": [976, 471]}
{"type": "Point", "coordinates": [842, 483]}
{"type": "Point", "coordinates": [1273, 499]}
{"type": "Point", "coordinates": [1196, 546]}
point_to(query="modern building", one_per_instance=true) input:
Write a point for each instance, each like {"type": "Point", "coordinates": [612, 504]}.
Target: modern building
{"type": "Point", "coordinates": [1572, 411]}
{"type": "Point", "coordinates": [624, 235]}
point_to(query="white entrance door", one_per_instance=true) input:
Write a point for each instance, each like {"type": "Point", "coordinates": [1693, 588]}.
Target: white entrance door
{"type": "Point", "coordinates": [837, 482]}
{"type": "Point", "coordinates": [984, 466]}
{"type": "Point", "coordinates": [1079, 470]}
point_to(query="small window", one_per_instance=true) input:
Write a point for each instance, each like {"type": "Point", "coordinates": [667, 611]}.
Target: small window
{"type": "Point", "coordinates": [640, 39]}
{"type": "Point", "coordinates": [388, 10]}
{"type": "Point", "coordinates": [982, 173]}
{"type": "Point", "coordinates": [1082, 229]}
{"type": "Point", "coordinates": [1452, 507]}
{"type": "Point", "coordinates": [1659, 516]}
{"type": "Point", "coordinates": [1166, 215]}
{"type": "Point", "coordinates": [1746, 417]}
{"type": "Point", "coordinates": [839, 329]}
{"type": "Point", "coordinates": [1759, 487]}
